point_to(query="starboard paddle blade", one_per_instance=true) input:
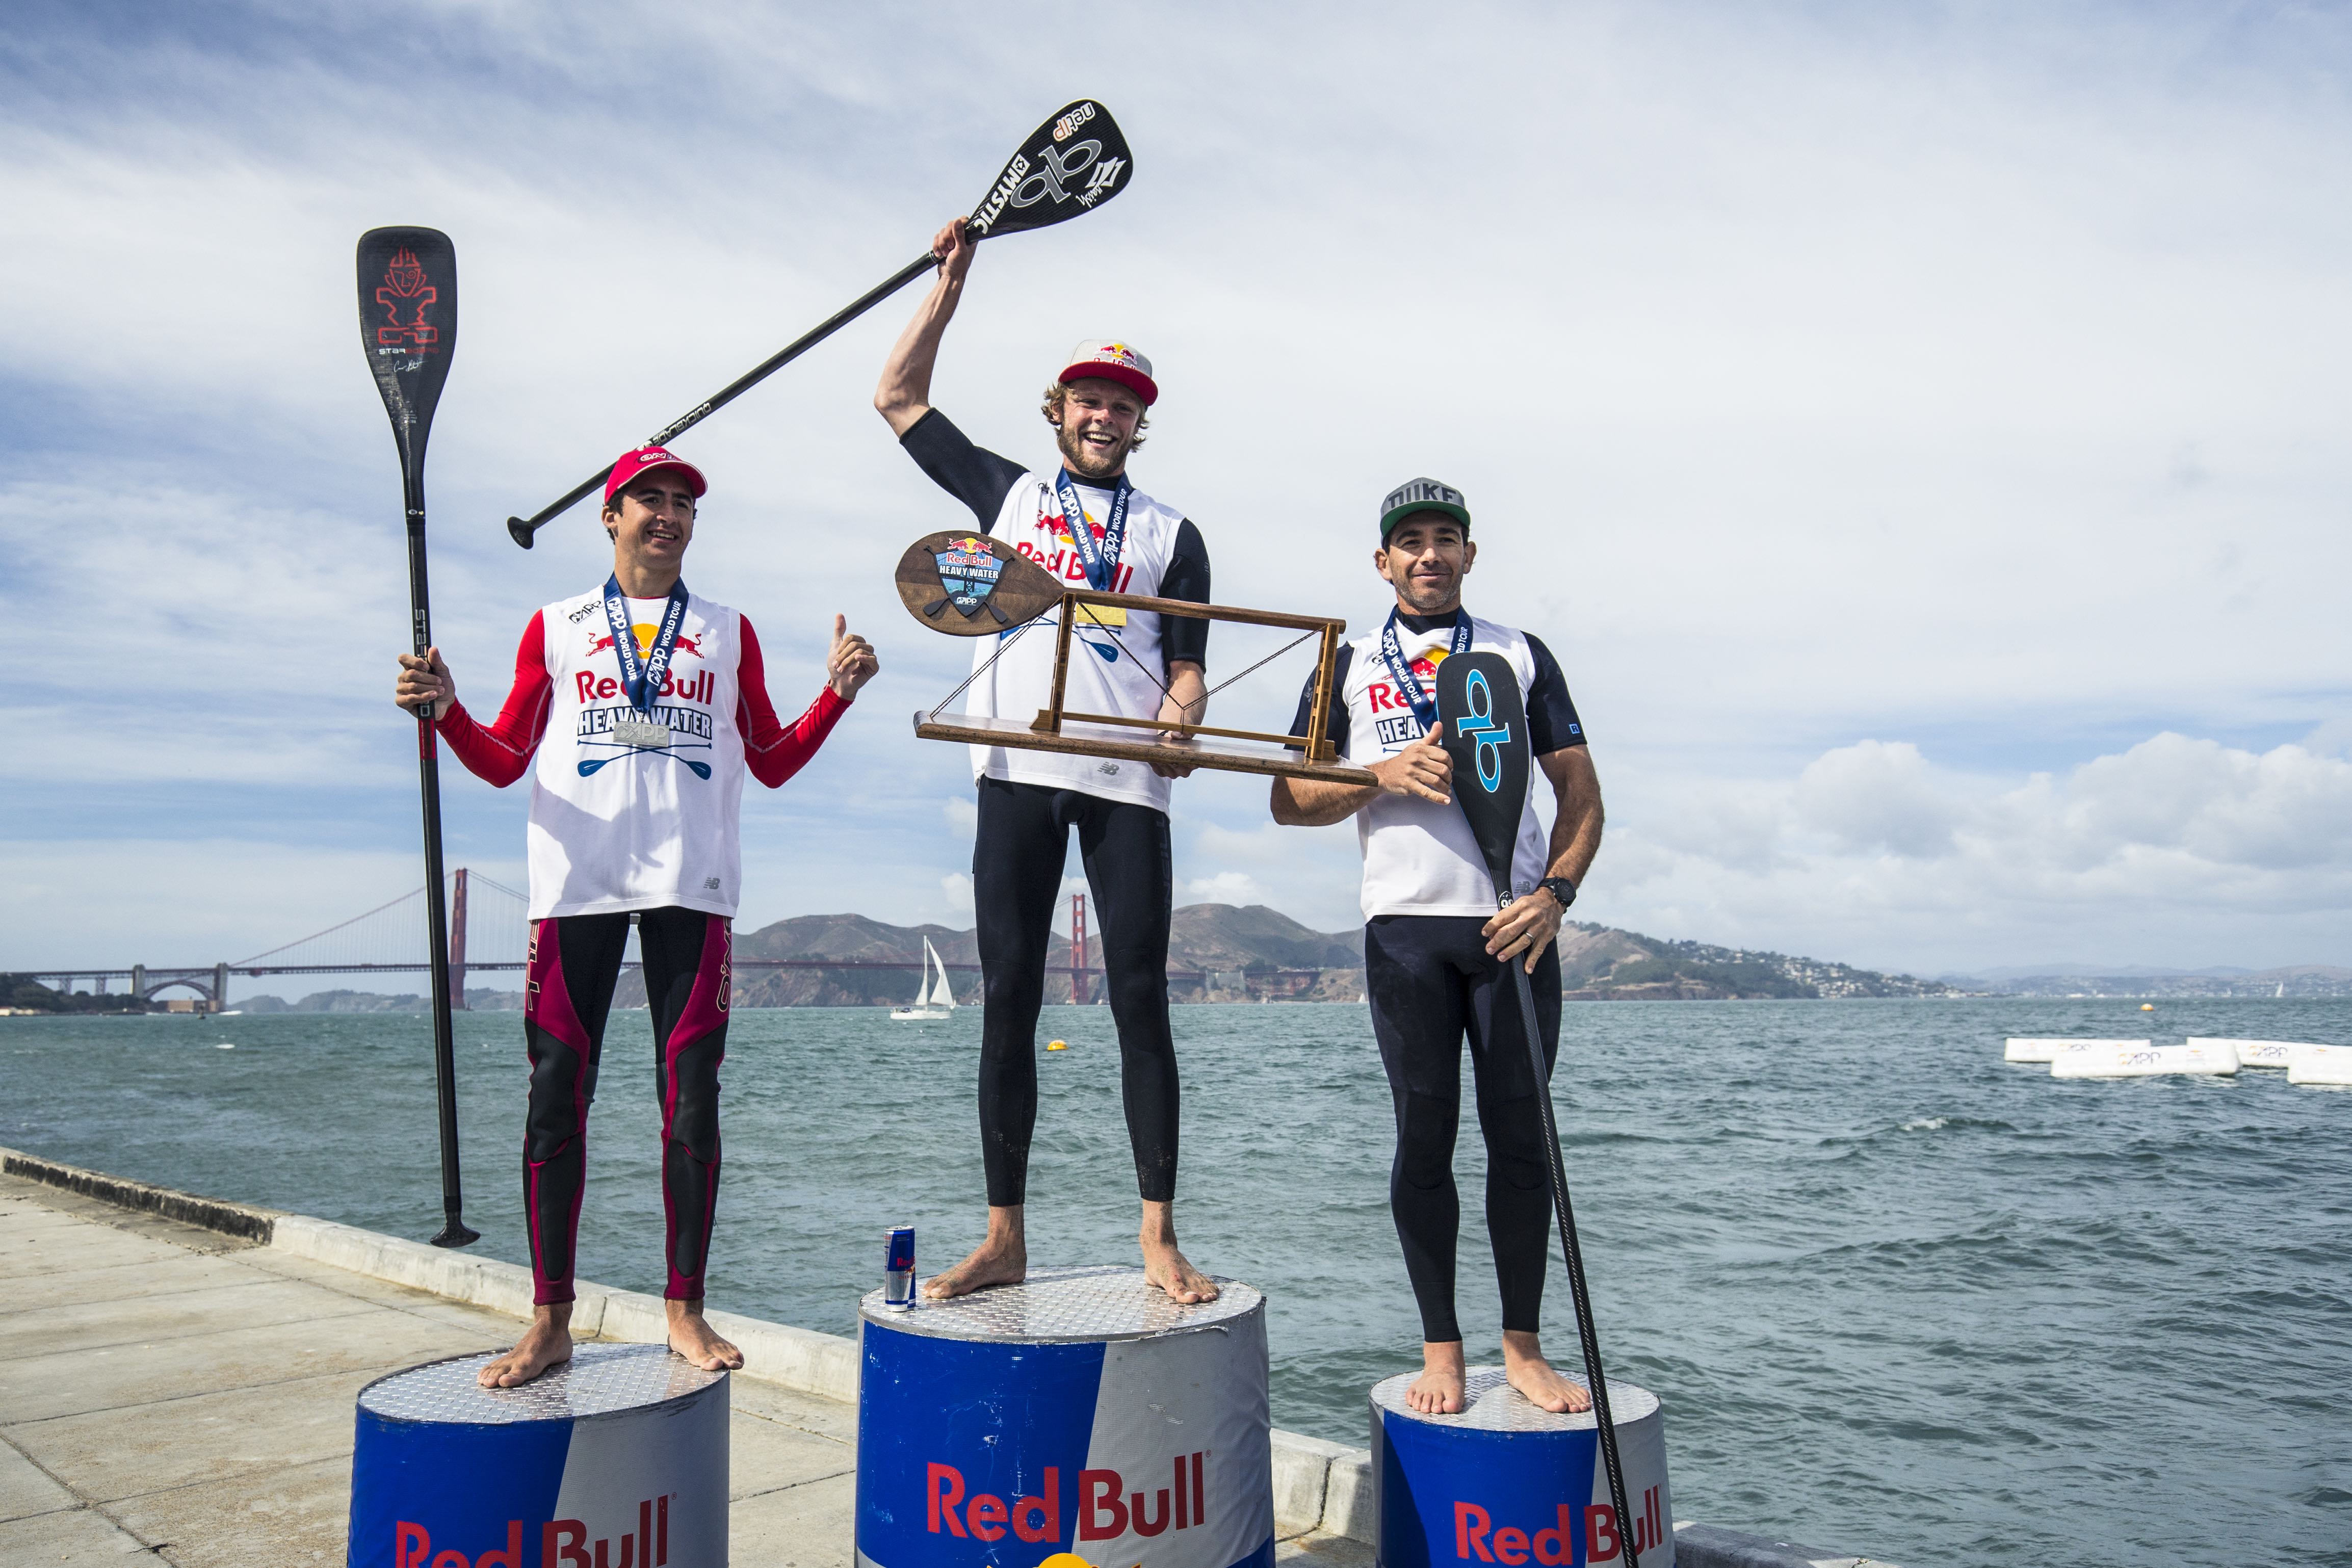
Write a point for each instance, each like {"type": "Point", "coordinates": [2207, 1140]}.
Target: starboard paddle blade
{"type": "Point", "coordinates": [1073, 163]}
{"type": "Point", "coordinates": [408, 327]}
{"type": "Point", "coordinates": [1485, 720]}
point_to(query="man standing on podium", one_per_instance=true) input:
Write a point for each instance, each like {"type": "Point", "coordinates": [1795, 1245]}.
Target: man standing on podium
{"type": "Point", "coordinates": [1085, 522]}
{"type": "Point", "coordinates": [1434, 946]}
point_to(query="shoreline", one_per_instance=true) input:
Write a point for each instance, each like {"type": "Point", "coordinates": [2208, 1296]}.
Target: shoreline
{"type": "Point", "coordinates": [1323, 1490]}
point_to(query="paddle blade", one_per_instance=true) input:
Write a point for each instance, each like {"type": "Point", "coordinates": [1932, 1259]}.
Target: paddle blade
{"type": "Point", "coordinates": [408, 327]}
{"type": "Point", "coordinates": [1072, 163]}
{"type": "Point", "coordinates": [1485, 720]}
{"type": "Point", "coordinates": [969, 585]}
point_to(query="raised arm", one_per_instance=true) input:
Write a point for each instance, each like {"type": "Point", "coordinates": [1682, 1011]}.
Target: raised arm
{"type": "Point", "coordinates": [905, 395]}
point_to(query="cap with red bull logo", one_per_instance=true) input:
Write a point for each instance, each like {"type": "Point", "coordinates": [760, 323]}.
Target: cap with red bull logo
{"type": "Point", "coordinates": [1108, 360]}
{"type": "Point", "coordinates": [630, 464]}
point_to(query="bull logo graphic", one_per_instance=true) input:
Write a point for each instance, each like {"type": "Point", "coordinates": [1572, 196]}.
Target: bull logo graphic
{"type": "Point", "coordinates": [405, 291]}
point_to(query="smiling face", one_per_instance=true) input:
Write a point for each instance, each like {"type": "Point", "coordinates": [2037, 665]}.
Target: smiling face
{"type": "Point", "coordinates": [1424, 560]}
{"type": "Point", "coordinates": [1097, 427]}
{"type": "Point", "coordinates": [652, 521]}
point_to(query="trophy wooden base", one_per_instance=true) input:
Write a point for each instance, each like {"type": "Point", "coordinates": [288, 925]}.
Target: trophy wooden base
{"type": "Point", "coordinates": [1227, 756]}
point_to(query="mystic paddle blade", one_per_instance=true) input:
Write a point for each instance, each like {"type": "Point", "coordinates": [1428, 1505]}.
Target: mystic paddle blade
{"type": "Point", "coordinates": [1485, 720]}
{"type": "Point", "coordinates": [1073, 163]}
{"type": "Point", "coordinates": [408, 328]}
{"type": "Point", "coordinates": [968, 586]}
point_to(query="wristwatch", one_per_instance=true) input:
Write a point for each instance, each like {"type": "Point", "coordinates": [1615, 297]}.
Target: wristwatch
{"type": "Point", "coordinates": [1559, 888]}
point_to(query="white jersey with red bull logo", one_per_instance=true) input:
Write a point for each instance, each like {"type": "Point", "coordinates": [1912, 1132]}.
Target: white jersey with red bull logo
{"type": "Point", "coordinates": [1119, 674]}
{"type": "Point", "coordinates": [616, 826]}
{"type": "Point", "coordinates": [1419, 856]}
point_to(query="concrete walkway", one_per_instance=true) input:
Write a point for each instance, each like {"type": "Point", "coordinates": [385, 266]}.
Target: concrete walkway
{"type": "Point", "coordinates": [167, 1389]}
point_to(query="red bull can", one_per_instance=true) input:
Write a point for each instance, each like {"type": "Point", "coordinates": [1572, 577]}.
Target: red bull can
{"type": "Point", "coordinates": [898, 1267]}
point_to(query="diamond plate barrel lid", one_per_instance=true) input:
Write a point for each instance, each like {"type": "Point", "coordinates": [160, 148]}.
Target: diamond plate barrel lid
{"type": "Point", "coordinates": [1064, 1305]}
{"type": "Point", "coordinates": [1494, 1406]}
{"type": "Point", "coordinates": [599, 1380]}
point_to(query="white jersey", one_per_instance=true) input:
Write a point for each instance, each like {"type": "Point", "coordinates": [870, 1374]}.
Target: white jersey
{"type": "Point", "coordinates": [1419, 857]}
{"type": "Point", "coordinates": [614, 827]}
{"type": "Point", "coordinates": [1121, 676]}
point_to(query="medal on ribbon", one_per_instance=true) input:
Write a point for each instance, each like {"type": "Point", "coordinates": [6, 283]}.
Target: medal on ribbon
{"type": "Point", "coordinates": [642, 676]}
{"type": "Point", "coordinates": [1409, 687]}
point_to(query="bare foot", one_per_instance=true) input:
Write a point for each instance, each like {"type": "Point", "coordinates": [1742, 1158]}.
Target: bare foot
{"type": "Point", "coordinates": [1546, 1388]}
{"type": "Point", "coordinates": [1164, 1266]}
{"type": "Point", "coordinates": [547, 1343]}
{"type": "Point", "coordinates": [1441, 1388]}
{"type": "Point", "coordinates": [1001, 1259]}
{"type": "Point", "coordinates": [691, 1336]}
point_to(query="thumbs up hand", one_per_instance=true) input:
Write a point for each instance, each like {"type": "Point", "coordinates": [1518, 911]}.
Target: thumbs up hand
{"type": "Point", "coordinates": [851, 663]}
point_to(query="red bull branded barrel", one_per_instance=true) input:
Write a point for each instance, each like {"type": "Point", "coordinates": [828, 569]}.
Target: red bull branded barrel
{"type": "Point", "coordinates": [1080, 1412]}
{"type": "Point", "coordinates": [1506, 1483]}
{"type": "Point", "coordinates": [616, 1460]}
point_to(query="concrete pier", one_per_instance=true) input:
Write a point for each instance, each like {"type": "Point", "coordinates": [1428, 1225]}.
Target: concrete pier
{"type": "Point", "coordinates": [177, 1376]}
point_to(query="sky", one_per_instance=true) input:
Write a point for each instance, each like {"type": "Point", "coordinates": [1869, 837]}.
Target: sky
{"type": "Point", "coordinates": [1920, 431]}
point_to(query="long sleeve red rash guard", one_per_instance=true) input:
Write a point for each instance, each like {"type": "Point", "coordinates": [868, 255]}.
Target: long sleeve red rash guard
{"type": "Point", "coordinates": [498, 753]}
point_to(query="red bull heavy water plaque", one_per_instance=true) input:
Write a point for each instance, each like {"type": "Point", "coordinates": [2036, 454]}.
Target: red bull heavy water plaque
{"type": "Point", "coordinates": [1507, 1484]}
{"type": "Point", "coordinates": [616, 1460]}
{"type": "Point", "coordinates": [1081, 1412]}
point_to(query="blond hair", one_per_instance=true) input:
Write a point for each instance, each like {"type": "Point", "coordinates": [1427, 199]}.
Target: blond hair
{"type": "Point", "coordinates": [1052, 409]}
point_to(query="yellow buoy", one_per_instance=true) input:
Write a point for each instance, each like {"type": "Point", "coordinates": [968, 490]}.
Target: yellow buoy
{"type": "Point", "coordinates": [2148, 1006]}
{"type": "Point", "coordinates": [1056, 1046]}
{"type": "Point", "coordinates": [1063, 1559]}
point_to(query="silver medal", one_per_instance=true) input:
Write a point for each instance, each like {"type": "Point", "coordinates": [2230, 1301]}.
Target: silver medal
{"type": "Point", "coordinates": [641, 732]}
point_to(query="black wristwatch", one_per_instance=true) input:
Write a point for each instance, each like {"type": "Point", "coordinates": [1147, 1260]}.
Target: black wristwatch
{"type": "Point", "coordinates": [1559, 888]}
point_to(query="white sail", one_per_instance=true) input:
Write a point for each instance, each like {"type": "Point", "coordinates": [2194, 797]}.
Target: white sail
{"type": "Point", "coordinates": [936, 990]}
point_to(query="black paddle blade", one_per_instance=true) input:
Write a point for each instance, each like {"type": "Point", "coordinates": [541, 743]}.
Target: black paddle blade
{"type": "Point", "coordinates": [1485, 720]}
{"type": "Point", "coordinates": [408, 327]}
{"type": "Point", "coordinates": [1072, 163]}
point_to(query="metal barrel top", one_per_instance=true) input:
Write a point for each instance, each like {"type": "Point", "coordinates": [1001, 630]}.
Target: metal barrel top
{"type": "Point", "coordinates": [599, 1380]}
{"type": "Point", "coordinates": [1066, 1305]}
{"type": "Point", "coordinates": [1491, 1404]}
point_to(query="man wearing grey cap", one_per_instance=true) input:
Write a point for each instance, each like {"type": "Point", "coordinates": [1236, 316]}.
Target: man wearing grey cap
{"type": "Point", "coordinates": [1434, 946]}
{"type": "Point", "coordinates": [1086, 523]}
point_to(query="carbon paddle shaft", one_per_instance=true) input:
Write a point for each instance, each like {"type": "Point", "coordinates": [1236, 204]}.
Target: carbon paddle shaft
{"type": "Point", "coordinates": [1587, 1335]}
{"type": "Point", "coordinates": [523, 528]}
{"type": "Point", "coordinates": [454, 1232]}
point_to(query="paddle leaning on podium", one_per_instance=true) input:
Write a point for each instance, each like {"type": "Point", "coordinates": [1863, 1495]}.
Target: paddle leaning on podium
{"type": "Point", "coordinates": [1437, 951]}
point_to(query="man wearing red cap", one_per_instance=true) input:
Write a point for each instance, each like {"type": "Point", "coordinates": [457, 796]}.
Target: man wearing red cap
{"type": "Point", "coordinates": [1084, 521]}
{"type": "Point", "coordinates": [662, 698]}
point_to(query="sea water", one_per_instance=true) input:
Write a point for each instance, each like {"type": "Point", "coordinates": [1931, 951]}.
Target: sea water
{"type": "Point", "coordinates": [1899, 1297]}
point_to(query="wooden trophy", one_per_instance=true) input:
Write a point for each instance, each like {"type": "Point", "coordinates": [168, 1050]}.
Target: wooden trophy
{"type": "Point", "coordinates": [967, 584]}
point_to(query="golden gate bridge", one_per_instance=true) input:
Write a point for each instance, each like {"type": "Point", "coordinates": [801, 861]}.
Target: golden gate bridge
{"type": "Point", "coordinates": [489, 931]}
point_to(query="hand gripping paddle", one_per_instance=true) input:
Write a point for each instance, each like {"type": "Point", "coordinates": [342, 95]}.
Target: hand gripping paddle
{"type": "Point", "coordinates": [1485, 720]}
{"type": "Point", "coordinates": [408, 330]}
{"type": "Point", "coordinates": [1071, 164]}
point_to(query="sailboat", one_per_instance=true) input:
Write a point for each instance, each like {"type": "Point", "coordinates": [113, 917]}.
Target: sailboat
{"type": "Point", "coordinates": [936, 1000]}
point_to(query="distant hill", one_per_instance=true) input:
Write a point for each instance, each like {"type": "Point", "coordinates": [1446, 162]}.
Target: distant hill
{"type": "Point", "coordinates": [2132, 980]}
{"type": "Point", "coordinates": [1221, 952]}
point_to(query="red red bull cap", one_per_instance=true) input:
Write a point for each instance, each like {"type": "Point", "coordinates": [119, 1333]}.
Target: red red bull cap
{"type": "Point", "coordinates": [1113, 362]}
{"type": "Point", "coordinates": [632, 464]}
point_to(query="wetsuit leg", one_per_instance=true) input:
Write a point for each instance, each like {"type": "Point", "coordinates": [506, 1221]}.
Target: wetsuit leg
{"type": "Point", "coordinates": [567, 994]}
{"type": "Point", "coordinates": [687, 976]}
{"type": "Point", "coordinates": [1125, 848]}
{"type": "Point", "coordinates": [1519, 1169]}
{"type": "Point", "coordinates": [1017, 870]}
{"type": "Point", "coordinates": [1419, 1004]}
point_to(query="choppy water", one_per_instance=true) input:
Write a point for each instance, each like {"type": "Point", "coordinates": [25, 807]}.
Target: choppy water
{"type": "Point", "coordinates": [1899, 1297]}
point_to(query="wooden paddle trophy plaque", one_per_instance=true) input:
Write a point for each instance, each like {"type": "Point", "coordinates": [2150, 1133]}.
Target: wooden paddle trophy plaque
{"type": "Point", "coordinates": [969, 585]}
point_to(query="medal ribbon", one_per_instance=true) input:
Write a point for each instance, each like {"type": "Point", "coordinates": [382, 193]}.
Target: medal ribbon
{"type": "Point", "coordinates": [1408, 684]}
{"type": "Point", "coordinates": [642, 678]}
{"type": "Point", "coordinates": [1100, 563]}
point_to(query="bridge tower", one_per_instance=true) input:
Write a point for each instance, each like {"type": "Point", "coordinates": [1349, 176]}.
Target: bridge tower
{"type": "Point", "coordinates": [458, 944]}
{"type": "Point", "coordinates": [1077, 950]}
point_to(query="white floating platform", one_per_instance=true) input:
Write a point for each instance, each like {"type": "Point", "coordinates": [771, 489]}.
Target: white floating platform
{"type": "Point", "coordinates": [2322, 1065]}
{"type": "Point", "coordinates": [1507, 1483]}
{"type": "Point", "coordinates": [2280, 1054]}
{"type": "Point", "coordinates": [2024, 1050]}
{"type": "Point", "coordinates": [2140, 1059]}
{"type": "Point", "coordinates": [1081, 1411]}
{"type": "Point", "coordinates": [620, 1455]}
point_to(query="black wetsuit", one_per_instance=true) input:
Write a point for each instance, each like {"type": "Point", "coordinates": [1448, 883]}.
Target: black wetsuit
{"type": "Point", "coordinates": [1017, 855]}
